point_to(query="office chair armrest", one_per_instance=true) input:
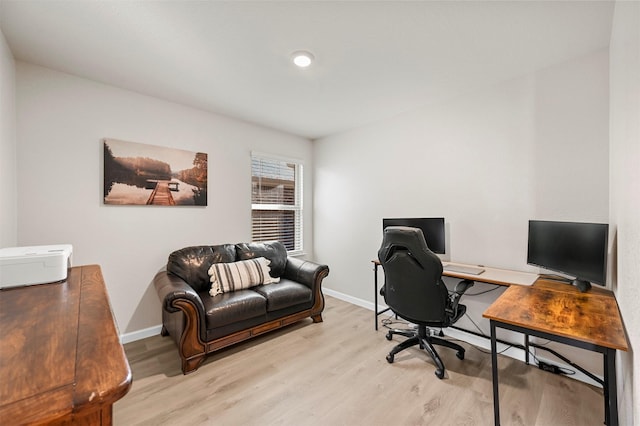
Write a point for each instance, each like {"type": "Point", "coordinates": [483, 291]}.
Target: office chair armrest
{"type": "Point", "coordinates": [454, 297]}
{"type": "Point", "coordinates": [462, 287]}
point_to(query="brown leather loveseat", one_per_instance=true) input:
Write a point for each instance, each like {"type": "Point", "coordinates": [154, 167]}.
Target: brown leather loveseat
{"type": "Point", "coordinates": [200, 323]}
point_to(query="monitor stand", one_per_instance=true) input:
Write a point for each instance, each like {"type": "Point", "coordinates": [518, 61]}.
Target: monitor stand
{"type": "Point", "coordinates": [582, 285]}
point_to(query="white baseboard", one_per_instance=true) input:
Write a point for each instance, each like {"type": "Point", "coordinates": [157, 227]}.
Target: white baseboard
{"type": "Point", "coordinates": [352, 300]}
{"type": "Point", "coordinates": [478, 341]}
{"type": "Point", "coordinates": [140, 334]}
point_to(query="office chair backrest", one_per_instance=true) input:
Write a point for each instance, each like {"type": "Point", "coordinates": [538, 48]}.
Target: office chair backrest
{"type": "Point", "coordinates": [413, 286]}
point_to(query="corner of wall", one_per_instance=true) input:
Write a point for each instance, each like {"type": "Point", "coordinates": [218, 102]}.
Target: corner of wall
{"type": "Point", "coordinates": [8, 147]}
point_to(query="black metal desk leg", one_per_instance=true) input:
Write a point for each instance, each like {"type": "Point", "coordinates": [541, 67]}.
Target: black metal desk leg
{"type": "Point", "coordinates": [375, 293]}
{"type": "Point", "coordinates": [610, 388]}
{"type": "Point", "coordinates": [494, 373]}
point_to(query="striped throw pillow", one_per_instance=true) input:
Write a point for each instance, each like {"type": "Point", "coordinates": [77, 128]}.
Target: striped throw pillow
{"type": "Point", "coordinates": [226, 277]}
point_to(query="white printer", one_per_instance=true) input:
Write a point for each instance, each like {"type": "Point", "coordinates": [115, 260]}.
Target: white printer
{"type": "Point", "coordinates": [20, 266]}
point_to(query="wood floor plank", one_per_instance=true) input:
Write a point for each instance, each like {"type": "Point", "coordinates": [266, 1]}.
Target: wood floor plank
{"type": "Point", "coordinates": [335, 373]}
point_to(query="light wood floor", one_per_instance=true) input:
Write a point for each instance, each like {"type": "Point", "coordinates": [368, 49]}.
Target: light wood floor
{"type": "Point", "coordinates": [335, 373]}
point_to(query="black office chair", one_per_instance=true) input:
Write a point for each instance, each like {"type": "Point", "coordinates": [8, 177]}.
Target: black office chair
{"type": "Point", "coordinates": [414, 291]}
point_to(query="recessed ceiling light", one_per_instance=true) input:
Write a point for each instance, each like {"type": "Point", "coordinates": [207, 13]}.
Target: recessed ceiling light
{"type": "Point", "coordinates": [302, 58]}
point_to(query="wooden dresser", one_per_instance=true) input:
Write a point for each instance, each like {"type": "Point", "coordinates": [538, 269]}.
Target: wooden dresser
{"type": "Point", "coordinates": [61, 360]}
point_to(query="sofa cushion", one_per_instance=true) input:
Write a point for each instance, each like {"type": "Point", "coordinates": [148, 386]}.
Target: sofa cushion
{"type": "Point", "coordinates": [272, 250]}
{"type": "Point", "coordinates": [285, 294]}
{"type": "Point", "coordinates": [226, 277]}
{"type": "Point", "coordinates": [192, 263]}
{"type": "Point", "coordinates": [228, 308]}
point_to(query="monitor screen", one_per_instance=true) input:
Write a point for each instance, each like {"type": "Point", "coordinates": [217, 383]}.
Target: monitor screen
{"type": "Point", "coordinates": [432, 228]}
{"type": "Point", "coordinates": [575, 249]}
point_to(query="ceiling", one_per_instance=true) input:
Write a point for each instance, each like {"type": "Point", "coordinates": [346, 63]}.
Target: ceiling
{"type": "Point", "coordinates": [374, 59]}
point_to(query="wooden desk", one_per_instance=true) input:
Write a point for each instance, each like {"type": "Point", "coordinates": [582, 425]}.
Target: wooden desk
{"type": "Point", "coordinates": [61, 360]}
{"type": "Point", "coordinates": [561, 313]}
{"type": "Point", "coordinates": [497, 276]}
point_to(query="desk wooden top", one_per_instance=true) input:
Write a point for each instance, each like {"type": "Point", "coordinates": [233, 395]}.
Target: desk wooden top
{"type": "Point", "coordinates": [560, 309]}
{"type": "Point", "coordinates": [490, 275]}
{"type": "Point", "coordinates": [60, 354]}
{"type": "Point", "coordinates": [494, 275]}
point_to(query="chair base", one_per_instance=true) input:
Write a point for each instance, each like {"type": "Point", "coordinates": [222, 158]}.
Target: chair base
{"type": "Point", "coordinates": [424, 340]}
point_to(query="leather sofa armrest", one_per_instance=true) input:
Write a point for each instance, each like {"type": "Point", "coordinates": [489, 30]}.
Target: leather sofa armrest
{"type": "Point", "coordinates": [305, 271]}
{"type": "Point", "coordinates": [171, 288]}
{"type": "Point", "coordinates": [190, 332]}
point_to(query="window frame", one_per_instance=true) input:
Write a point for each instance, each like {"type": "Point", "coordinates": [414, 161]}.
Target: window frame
{"type": "Point", "coordinates": [297, 207]}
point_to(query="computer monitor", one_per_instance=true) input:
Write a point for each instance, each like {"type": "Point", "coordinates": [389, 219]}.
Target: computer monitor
{"type": "Point", "coordinates": [432, 228]}
{"type": "Point", "coordinates": [573, 248]}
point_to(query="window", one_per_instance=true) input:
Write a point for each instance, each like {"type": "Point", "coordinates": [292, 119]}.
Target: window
{"type": "Point", "coordinates": [276, 201]}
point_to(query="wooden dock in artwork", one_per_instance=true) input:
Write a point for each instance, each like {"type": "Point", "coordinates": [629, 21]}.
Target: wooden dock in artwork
{"type": "Point", "coordinates": [161, 195]}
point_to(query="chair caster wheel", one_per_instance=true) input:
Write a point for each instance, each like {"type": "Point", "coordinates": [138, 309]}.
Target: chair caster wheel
{"type": "Point", "coordinates": [389, 336]}
{"type": "Point", "coordinates": [390, 359]}
{"type": "Point", "coordinates": [460, 355]}
{"type": "Point", "coordinates": [439, 374]}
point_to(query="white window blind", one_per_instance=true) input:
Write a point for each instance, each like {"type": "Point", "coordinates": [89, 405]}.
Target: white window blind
{"type": "Point", "coordinates": [276, 201]}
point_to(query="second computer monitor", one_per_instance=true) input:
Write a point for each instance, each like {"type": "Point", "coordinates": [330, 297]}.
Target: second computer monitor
{"type": "Point", "coordinates": [432, 228]}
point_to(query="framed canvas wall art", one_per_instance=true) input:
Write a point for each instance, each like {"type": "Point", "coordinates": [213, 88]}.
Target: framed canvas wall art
{"type": "Point", "coordinates": [142, 174]}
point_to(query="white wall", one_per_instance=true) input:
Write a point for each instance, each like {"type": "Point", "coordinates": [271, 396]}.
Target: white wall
{"type": "Point", "coordinates": [625, 195]}
{"type": "Point", "coordinates": [8, 209]}
{"type": "Point", "coordinates": [61, 122]}
{"type": "Point", "coordinates": [534, 147]}
{"type": "Point", "coordinates": [530, 148]}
